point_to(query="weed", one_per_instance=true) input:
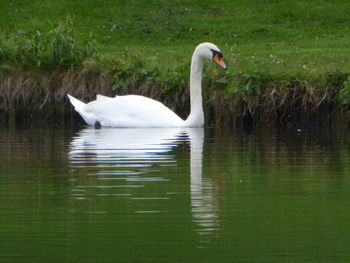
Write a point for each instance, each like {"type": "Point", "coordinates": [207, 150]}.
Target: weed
{"type": "Point", "coordinates": [344, 94]}
{"type": "Point", "coordinates": [57, 48]}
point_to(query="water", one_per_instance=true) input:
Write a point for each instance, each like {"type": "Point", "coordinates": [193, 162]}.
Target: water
{"type": "Point", "coordinates": [174, 195]}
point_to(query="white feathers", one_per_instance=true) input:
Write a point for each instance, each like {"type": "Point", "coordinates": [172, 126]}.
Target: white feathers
{"type": "Point", "coordinates": [134, 111]}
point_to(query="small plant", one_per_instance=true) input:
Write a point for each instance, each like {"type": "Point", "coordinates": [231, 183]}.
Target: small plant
{"type": "Point", "coordinates": [128, 73]}
{"type": "Point", "coordinates": [244, 85]}
{"type": "Point", "coordinates": [60, 47]}
{"type": "Point", "coordinates": [344, 94]}
{"type": "Point", "coordinates": [66, 50]}
{"type": "Point", "coordinates": [4, 49]}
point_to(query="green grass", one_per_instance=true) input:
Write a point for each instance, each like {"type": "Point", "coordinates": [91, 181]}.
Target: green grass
{"type": "Point", "coordinates": [302, 30]}
{"type": "Point", "coordinates": [313, 33]}
{"type": "Point", "coordinates": [266, 43]}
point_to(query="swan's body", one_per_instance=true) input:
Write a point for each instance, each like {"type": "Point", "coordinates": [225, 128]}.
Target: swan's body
{"type": "Point", "coordinates": [127, 111]}
{"type": "Point", "coordinates": [138, 111]}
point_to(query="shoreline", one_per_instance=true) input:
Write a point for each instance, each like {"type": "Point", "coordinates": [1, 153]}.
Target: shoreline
{"type": "Point", "coordinates": [41, 96]}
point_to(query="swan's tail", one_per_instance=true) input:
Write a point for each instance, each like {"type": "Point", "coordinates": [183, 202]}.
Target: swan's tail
{"type": "Point", "coordinates": [77, 104]}
{"type": "Point", "coordinates": [79, 107]}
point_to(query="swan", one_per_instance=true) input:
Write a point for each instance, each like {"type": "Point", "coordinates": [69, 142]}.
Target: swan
{"type": "Point", "coordinates": [135, 111]}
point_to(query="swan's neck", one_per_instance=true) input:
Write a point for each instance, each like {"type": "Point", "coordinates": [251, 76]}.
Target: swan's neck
{"type": "Point", "coordinates": [196, 117]}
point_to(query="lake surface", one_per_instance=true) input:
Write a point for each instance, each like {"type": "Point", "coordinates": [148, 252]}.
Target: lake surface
{"type": "Point", "coordinates": [174, 195]}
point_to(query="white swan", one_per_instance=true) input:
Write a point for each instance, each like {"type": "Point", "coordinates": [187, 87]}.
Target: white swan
{"type": "Point", "coordinates": [134, 111]}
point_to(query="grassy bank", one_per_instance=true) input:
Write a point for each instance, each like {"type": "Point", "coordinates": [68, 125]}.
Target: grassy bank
{"type": "Point", "coordinates": [286, 58]}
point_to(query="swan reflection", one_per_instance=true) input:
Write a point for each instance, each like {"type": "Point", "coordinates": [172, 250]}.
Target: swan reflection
{"type": "Point", "coordinates": [123, 144]}
{"type": "Point", "coordinates": [119, 160]}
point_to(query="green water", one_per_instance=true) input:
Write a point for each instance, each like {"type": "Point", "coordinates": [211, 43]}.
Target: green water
{"type": "Point", "coordinates": [174, 195]}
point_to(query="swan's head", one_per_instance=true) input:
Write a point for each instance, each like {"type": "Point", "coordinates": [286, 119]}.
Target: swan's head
{"type": "Point", "coordinates": [211, 52]}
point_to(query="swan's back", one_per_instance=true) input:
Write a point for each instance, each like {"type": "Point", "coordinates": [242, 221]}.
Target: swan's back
{"type": "Point", "coordinates": [132, 111]}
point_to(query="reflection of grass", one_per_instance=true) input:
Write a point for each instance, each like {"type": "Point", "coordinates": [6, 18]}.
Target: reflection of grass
{"type": "Point", "coordinates": [275, 50]}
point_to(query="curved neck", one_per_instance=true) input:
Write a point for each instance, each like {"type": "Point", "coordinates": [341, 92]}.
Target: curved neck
{"type": "Point", "coordinates": [196, 117]}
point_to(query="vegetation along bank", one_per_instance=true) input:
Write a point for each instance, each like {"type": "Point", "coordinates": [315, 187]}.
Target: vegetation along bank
{"type": "Point", "coordinates": [288, 60]}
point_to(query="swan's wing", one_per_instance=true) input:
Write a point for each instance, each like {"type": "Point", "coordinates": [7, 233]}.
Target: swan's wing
{"type": "Point", "coordinates": [100, 97]}
{"type": "Point", "coordinates": [133, 111]}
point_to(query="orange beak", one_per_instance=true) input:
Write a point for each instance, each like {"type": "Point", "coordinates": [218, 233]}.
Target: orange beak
{"type": "Point", "coordinates": [218, 60]}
